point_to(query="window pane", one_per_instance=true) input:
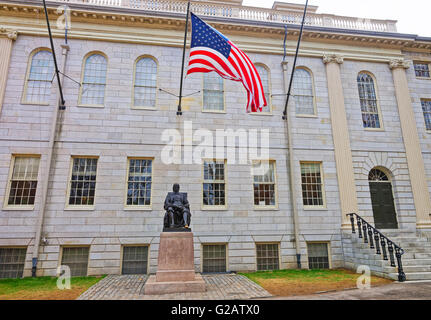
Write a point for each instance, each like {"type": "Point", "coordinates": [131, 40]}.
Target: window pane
{"type": "Point", "coordinates": [426, 107]}
{"type": "Point", "coordinates": [139, 182]}
{"type": "Point", "coordinates": [422, 70]}
{"type": "Point", "coordinates": [214, 183]}
{"type": "Point", "coordinates": [83, 181]}
{"type": "Point", "coordinates": [267, 257]}
{"type": "Point", "coordinates": [368, 100]}
{"type": "Point", "coordinates": [39, 78]}
{"type": "Point", "coordinates": [76, 259]}
{"type": "Point", "coordinates": [213, 92]}
{"type": "Point", "coordinates": [94, 81]}
{"type": "Point", "coordinates": [264, 76]}
{"type": "Point", "coordinates": [303, 92]}
{"type": "Point", "coordinates": [264, 185]}
{"type": "Point", "coordinates": [318, 255]}
{"type": "Point", "coordinates": [214, 258]}
{"type": "Point", "coordinates": [145, 83]}
{"type": "Point", "coordinates": [135, 260]}
{"type": "Point", "coordinates": [312, 187]}
{"type": "Point", "coordinates": [12, 262]}
{"type": "Point", "coordinates": [23, 183]}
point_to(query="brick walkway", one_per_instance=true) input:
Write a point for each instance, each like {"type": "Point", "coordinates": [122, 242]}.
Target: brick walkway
{"type": "Point", "coordinates": [219, 287]}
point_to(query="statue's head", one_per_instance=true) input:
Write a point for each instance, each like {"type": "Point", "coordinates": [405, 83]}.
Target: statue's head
{"type": "Point", "coordinates": [176, 187]}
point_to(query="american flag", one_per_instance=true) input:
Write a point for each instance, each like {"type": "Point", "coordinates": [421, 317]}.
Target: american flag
{"type": "Point", "coordinates": [212, 51]}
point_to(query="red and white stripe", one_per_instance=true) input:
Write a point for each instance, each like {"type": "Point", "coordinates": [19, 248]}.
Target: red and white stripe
{"type": "Point", "coordinates": [237, 67]}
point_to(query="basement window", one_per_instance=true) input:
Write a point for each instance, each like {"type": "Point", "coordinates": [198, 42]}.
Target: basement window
{"type": "Point", "coordinates": [135, 260]}
{"type": "Point", "coordinates": [76, 258]}
{"type": "Point", "coordinates": [214, 258]}
{"type": "Point", "coordinates": [267, 256]}
{"type": "Point", "coordinates": [12, 262]}
{"type": "Point", "coordinates": [318, 257]}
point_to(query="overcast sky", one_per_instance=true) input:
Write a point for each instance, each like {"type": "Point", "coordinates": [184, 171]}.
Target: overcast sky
{"type": "Point", "coordinates": [414, 16]}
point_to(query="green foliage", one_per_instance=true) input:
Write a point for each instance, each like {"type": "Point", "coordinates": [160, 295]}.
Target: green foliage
{"type": "Point", "coordinates": [302, 275]}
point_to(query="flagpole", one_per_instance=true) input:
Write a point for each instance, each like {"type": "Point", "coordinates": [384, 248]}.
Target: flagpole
{"type": "Point", "coordinates": [294, 61]}
{"type": "Point", "coordinates": [179, 111]}
{"type": "Point", "coordinates": [62, 102]}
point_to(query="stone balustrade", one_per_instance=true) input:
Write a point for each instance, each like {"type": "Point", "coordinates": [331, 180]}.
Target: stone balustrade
{"type": "Point", "coordinates": [247, 13]}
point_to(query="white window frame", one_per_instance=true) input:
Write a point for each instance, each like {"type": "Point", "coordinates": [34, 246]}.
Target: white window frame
{"type": "Point", "coordinates": [267, 207]}
{"type": "Point", "coordinates": [269, 99]}
{"type": "Point", "coordinates": [316, 207]}
{"type": "Point", "coordinates": [304, 115]}
{"type": "Point", "coordinates": [81, 88]}
{"type": "Point", "coordinates": [416, 62]}
{"type": "Point", "coordinates": [376, 93]}
{"type": "Point", "coordinates": [214, 207]}
{"type": "Point", "coordinates": [215, 74]}
{"type": "Point", "coordinates": [135, 106]}
{"type": "Point", "coordinates": [138, 207]}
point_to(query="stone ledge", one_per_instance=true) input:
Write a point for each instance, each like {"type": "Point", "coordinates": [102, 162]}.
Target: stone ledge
{"type": "Point", "coordinates": [154, 288]}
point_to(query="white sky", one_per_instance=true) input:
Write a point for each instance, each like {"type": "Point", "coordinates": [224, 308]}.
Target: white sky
{"type": "Point", "coordinates": [414, 16]}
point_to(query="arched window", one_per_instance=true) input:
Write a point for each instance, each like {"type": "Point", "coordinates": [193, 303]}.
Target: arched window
{"type": "Point", "coordinates": [39, 77]}
{"type": "Point", "coordinates": [94, 80]}
{"type": "Point", "coordinates": [264, 76]}
{"type": "Point", "coordinates": [303, 92]}
{"type": "Point", "coordinates": [213, 92]}
{"type": "Point", "coordinates": [145, 84]}
{"type": "Point", "coordinates": [368, 99]}
{"type": "Point", "coordinates": [377, 175]}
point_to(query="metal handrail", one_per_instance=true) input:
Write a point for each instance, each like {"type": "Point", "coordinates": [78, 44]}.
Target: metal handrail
{"type": "Point", "coordinates": [367, 232]}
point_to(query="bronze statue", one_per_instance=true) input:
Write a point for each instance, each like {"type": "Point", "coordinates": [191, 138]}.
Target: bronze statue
{"type": "Point", "coordinates": [177, 210]}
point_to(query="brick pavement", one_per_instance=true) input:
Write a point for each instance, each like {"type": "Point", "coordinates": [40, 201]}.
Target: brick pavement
{"type": "Point", "coordinates": [219, 287]}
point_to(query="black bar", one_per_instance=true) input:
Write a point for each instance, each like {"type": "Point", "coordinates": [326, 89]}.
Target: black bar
{"type": "Point", "coordinates": [294, 62]}
{"type": "Point", "coordinates": [62, 102]}
{"type": "Point", "coordinates": [179, 111]}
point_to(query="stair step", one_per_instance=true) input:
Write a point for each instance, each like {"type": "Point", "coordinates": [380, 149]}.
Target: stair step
{"type": "Point", "coordinates": [410, 269]}
{"type": "Point", "coordinates": [415, 276]}
{"type": "Point", "coordinates": [422, 255]}
{"type": "Point", "coordinates": [416, 262]}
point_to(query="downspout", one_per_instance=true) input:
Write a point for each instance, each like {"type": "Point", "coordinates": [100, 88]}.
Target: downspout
{"type": "Point", "coordinates": [54, 123]}
{"type": "Point", "coordinates": [291, 168]}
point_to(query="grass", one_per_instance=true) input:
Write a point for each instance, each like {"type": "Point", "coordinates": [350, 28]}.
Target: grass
{"type": "Point", "coordinates": [302, 282]}
{"type": "Point", "coordinates": [43, 288]}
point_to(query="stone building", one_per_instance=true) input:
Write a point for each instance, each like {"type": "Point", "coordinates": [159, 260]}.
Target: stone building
{"type": "Point", "coordinates": [85, 186]}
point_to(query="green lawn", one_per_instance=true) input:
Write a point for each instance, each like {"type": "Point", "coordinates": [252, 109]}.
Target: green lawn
{"type": "Point", "coordinates": [301, 282]}
{"type": "Point", "coordinates": [43, 288]}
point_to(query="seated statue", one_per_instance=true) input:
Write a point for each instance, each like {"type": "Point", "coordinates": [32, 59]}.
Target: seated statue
{"type": "Point", "coordinates": [177, 209]}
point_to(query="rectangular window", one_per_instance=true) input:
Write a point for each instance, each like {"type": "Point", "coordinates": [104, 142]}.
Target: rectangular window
{"type": "Point", "coordinates": [76, 258]}
{"type": "Point", "coordinates": [135, 260]}
{"type": "Point", "coordinates": [267, 257]}
{"type": "Point", "coordinates": [139, 183]}
{"type": "Point", "coordinates": [264, 183]}
{"type": "Point", "coordinates": [12, 262]}
{"type": "Point", "coordinates": [214, 183]}
{"type": "Point", "coordinates": [214, 258]}
{"type": "Point", "coordinates": [213, 92]}
{"type": "Point", "coordinates": [426, 107]}
{"type": "Point", "coordinates": [312, 186]}
{"type": "Point", "coordinates": [82, 185]}
{"type": "Point", "coordinates": [318, 257]}
{"type": "Point", "coordinates": [23, 181]}
{"type": "Point", "coordinates": [422, 69]}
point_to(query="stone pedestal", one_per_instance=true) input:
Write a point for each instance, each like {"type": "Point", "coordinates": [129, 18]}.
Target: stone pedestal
{"type": "Point", "coordinates": [175, 271]}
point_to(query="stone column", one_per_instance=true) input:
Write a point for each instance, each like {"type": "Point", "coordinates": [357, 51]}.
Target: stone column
{"type": "Point", "coordinates": [6, 40]}
{"type": "Point", "coordinates": [421, 195]}
{"type": "Point", "coordinates": [340, 132]}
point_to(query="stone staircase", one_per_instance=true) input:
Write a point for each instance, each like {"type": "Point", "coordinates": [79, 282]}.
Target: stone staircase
{"type": "Point", "coordinates": [416, 260]}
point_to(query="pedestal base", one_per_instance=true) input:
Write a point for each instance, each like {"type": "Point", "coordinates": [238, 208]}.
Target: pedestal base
{"type": "Point", "coordinates": [153, 287]}
{"type": "Point", "coordinates": [175, 271]}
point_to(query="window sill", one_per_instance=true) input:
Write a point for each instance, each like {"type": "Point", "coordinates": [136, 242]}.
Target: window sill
{"type": "Point", "coordinates": [144, 108]}
{"type": "Point", "coordinates": [375, 129]}
{"type": "Point", "coordinates": [137, 208]}
{"type": "Point", "coordinates": [79, 208]}
{"type": "Point", "coordinates": [17, 208]}
{"type": "Point", "coordinates": [91, 105]}
{"type": "Point", "coordinates": [261, 113]}
{"type": "Point", "coordinates": [266, 208]}
{"type": "Point", "coordinates": [307, 116]}
{"type": "Point", "coordinates": [35, 103]}
{"type": "Point", "coordinates": [423, 78]}
{"type": "Point", "coordinates": [213, 208]}
{"type": "Point", "coordinates": [324, 208]}
{"type": "Point", "coordinates": [214, 111]}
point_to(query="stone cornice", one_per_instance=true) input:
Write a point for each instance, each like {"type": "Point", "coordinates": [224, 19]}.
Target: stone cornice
{"type": "Point", "coordinates": [332, 58]}
{"type": "Point", "coordinates": [399, 63]}
{"type": "Point", "coordinates": [7, 33]}
{"type": "Point", "coordinates": [175, 21]}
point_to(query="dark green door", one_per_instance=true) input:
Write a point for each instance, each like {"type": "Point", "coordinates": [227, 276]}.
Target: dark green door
{"type": "Point", "coordinates": [385, 216]}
